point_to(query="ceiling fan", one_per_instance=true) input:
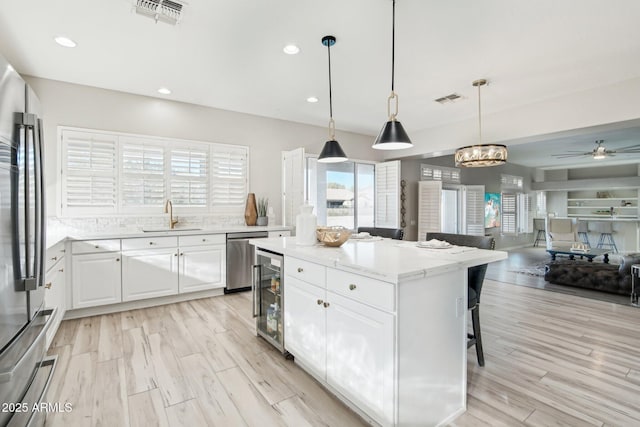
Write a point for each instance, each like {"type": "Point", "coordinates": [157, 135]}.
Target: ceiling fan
{"type": "Point", "coordinates": [599, 152]}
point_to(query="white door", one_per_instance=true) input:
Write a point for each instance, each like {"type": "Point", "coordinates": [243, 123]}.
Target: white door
{"type": "Point", "coordinates": [96, 279]}
{"type": "Point", "coordinates": [149, 273]}
{"type": "Point", "coordinates": [360, 345]}
{"type": "Point", "coordinates": [304, 317]}
{"type": "Point", "coordinates": [292, 185]}
{"type": "Point", "coordinates": [429, 212]}
{"type": "Point", "coordinates": [202, 267]}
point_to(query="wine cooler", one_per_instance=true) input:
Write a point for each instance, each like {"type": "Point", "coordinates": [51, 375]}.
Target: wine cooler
{"type": "Point", "coordinates": [268, 297]}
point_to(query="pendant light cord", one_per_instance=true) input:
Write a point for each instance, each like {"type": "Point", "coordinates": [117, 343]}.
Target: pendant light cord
{"type": "Point", "coordinates": [332, 125]}
{"type": "Point", "coordinates": [479, 117]}
{"type": "Point", "coordinates": [393, 46]}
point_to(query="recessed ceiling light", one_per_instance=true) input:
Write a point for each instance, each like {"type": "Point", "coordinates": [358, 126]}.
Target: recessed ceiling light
{"type": "Point", "coordinates": [312, 99]}
{"type": "Point", "coordinates": [65, 41]}
{"type": "Point", "coordinates": [164, 91]}
{"type": "Point", "coordinates": [291, 49]}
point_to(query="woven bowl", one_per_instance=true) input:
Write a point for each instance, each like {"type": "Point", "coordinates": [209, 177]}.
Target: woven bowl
{"type": "Point", "coordinates": [332, 236]}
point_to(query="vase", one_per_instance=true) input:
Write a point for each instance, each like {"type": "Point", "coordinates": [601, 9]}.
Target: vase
{"type": "Point", "coordinates": [306, 226]}
{"type": "Point", "coordinates": [262, 221]}
{"type": "Point", "coordinates": [250, 211]}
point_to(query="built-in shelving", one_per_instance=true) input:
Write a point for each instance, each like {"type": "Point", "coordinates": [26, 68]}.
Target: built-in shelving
{"type": "Point", "coordinates": [621, 204]}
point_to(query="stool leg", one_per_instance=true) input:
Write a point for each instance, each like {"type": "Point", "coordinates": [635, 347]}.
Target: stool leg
{"type": "Point", "coordinates": [475, 321]}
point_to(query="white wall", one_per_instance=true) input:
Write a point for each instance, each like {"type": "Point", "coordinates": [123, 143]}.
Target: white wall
{"type": "Point", "coordinates": [88, 107]}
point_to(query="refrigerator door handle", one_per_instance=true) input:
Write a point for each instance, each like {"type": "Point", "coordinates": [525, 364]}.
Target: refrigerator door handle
{"type": "Point", "coordinates": [40, 203]}
{"type": "Point", "coordinates": [256, 286]}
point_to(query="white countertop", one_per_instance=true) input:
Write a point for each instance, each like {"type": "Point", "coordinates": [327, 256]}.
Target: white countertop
{"type": "Point", "coordinates": [54, 238]}
{"type": "Point", "coordinates": [389, 260]}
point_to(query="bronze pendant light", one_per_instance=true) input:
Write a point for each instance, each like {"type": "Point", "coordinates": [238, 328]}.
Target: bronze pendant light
{"type": "Point", "coordinates": [331, 152]}
{"type": "Point", "coordinates": [392, 136]}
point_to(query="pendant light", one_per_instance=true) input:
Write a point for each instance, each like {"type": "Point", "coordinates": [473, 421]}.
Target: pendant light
{"type": "Point", "coordinates": [392, 136]}
{"type": "Point", "coordinates": [481, 155]}
{"type": "Point", "coordinates": [331, 152]}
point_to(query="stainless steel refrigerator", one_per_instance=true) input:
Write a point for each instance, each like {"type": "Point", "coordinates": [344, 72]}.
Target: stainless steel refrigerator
{"type": "Point", "coordinates": [24, 372]}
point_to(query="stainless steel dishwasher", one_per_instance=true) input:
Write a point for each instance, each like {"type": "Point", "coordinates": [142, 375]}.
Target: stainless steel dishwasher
{"type": "Point", "coordinates": [240, 258]}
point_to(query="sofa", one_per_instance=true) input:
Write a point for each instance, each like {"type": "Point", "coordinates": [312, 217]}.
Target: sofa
{"type": "Point", "coordinates": [592, 275]}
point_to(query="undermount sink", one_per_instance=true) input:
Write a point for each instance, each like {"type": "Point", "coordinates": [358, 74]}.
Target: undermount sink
{"type": "Point", "coordinates": [168, 230]}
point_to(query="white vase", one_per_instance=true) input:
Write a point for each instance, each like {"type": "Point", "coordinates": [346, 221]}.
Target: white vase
{"type": "Point", "coordinates": [306, 226]}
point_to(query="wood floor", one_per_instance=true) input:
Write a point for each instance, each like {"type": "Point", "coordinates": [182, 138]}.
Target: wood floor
{"type": "Point", "coordinates": [551, 359]}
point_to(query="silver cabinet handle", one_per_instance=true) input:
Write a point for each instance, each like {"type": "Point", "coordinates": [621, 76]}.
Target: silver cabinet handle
{"type": "Point", "coordinates": [175, 254]}
{"type": "Point", "coordinates": [300, 269]}
{"type": "Point", "coordinates": [55, 258]}
{"type": "Point", "coordinates": [117, 259]}
{"type": "Point", "coordinates": [204, 240]}
{"type": "Point", "coordinates": [151, 243]}
{"type": "Point", "coordinates": [61, 270]}
{"type": "Point", "coordinates": [97, 246]}
{"type": "Point", "coordinates": [181, 254]}
{"type": "Point", "coordinates": [326, 304]}
{"type": "Point", "coordinates": [320, 302]}
{"type": "Point", "coordinates": [352, 287]}
{"type": "Point", "coordinates": [255, 288]}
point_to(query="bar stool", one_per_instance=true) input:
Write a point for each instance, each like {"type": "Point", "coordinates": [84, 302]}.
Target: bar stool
{"type": "Point", "coordinates": [606, 234]}
{"type": "Point", "coordinates": [583, 229]}
{"type": "Point", "coordinates": [541, 232]}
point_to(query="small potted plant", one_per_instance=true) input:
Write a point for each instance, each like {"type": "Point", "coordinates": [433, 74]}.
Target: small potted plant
{"type": "Point", "coordinates": [263, 206]}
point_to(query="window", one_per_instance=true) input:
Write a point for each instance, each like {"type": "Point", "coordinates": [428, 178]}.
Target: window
{"type": "Point", "coordinates": [439, 173]}
{"type": "Point", "coordinates": [515, 213]}
{"type": "Point", "coordinates": [511, 181]}
{"type": "Point", "coordinates": [106, 172]}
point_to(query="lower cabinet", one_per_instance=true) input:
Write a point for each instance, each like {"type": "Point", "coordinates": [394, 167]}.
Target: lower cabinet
{"type": "Point", "coordinates": [55, 295]}
{"type": "Point", "coordinates": [149, 273]}
{"type": "Point", "coordinates": [96, 279]}
{"type": "Point", "coordinates": [348, 344]}
{"type": "Point", "coordinates": [202, 267]}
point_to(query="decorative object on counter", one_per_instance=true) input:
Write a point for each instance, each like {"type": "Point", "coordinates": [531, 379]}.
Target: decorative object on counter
{"type": "Point", "coordinates": [403, 197]}
{"type": "Point", "coordinates": [306, 226]}
{"type": "Point", "coordinates": [580, 247]}
{"type": "Point", "coordinates": [392, 136]}
{"type": "Point", "coordinates": [250, 211]}
{"type": "Point", "coordinates": [333, 236]}
{"type": "Point", "coordinates": [263, 206]}
{"type": "Point", "coordinates": [481, 155]}
{"type": "Point", "coordinates": [331, 152]}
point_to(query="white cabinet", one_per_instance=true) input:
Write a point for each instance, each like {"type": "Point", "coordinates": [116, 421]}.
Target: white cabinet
{"type": "Point", "coordinates": [55, 288]}
{"type": "Point", "coordinates": [202, 267]}
{"type": "Point", "coordinates": [149, 273]}
{"type": "Point", "coordinates": [343, 340]}
{"type": "Point", "coordinates": [305, 324]}
{"type": "Point", "coordinates": [96, 279]}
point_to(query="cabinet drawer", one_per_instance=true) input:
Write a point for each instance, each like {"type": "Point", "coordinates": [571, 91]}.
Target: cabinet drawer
{"type": "Point", "coordinates": [202, 240]}
{"type": "Point", "coordinates": [95, 246]}
{"type": "Point", "coordinates": [54, 255]}
{"type": "Point", "coordinates": [305, 271]}
{"type": "Point", "coordinates": [149, 243]}
{"type": "Point", "coordinates": [282, 233]}
{"type": "Point", "coordinates": [363, 289]}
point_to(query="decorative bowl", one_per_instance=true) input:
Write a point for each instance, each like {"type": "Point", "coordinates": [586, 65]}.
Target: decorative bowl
{"type": "Point", "coordinates": [332, 236]}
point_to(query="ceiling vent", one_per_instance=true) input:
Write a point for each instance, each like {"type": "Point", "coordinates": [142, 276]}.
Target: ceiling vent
{"type": "Point", "coordinates": [449, 98]}
{"type": "Point", "coordinates": [160, 10]}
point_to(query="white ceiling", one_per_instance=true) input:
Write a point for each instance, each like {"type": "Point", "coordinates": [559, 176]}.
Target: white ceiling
{"type": "Point", "coordinates": [229, 54]}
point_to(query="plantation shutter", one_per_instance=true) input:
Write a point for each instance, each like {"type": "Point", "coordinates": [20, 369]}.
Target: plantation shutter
{"type": "Point", "coordinates": [293, 172]}
{"type": "Point", "coordinates": [429, 208]}
{"type": "Point", "coordinates": [474, 209]}
{"type": "Point", "coordinates": [229, 179]}
{"type": "Point", "coordinates": [142, 174]}
{"type": "Point", "coordinates": [509, 213]}
{"type": "Point", "coordinates": [88, 173]}
{"type": "Point", "coordinates": [523, 209]}
{"type": "Point", "coordinates": [189, 178]}
{"type": "Point", "coordinates": [387, 194]}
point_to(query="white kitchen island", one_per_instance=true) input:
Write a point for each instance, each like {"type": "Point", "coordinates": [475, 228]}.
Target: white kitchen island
{"type": "Point", "coordinates": [382, 324]}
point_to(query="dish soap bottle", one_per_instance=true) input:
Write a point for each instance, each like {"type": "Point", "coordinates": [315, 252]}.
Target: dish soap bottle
{"type": "Point", "coordinates": [306, 226]}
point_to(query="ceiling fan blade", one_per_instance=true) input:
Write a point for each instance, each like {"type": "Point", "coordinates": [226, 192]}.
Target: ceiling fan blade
{"type": "Point", "coordinates": [567, 155]}
{"type": "Point", "coordinates": [629, 149]}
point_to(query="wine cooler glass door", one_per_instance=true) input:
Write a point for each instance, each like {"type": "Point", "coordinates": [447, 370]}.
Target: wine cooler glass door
{"type": "Point", "coordinates": [268, 287]}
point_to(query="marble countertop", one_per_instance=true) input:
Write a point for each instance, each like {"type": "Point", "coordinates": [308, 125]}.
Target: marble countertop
{"type": "Point", "coordinates": [57, 236]}
{"type": "Point", "coordinates": [388, 260]}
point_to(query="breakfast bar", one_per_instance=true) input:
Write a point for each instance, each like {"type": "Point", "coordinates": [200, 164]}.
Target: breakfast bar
{"type": "Point", "coordinates": [381, 324]}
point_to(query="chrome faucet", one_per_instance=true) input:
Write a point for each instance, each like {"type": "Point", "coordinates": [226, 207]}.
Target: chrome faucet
{"type": "Point", "coordinates": [168, 208]}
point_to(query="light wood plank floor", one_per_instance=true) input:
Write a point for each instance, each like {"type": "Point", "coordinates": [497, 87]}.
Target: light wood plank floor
{"type": "Point", "coordinates": [551, 359]}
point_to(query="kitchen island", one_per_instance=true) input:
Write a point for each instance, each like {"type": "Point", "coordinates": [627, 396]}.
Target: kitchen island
{"type": "Point", "coordinates": [382, 324]}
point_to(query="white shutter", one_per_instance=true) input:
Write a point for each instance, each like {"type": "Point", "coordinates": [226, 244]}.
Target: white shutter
{"type": "Point", "coordinates": [142, 175]}
{"type": "Point", "coordinates": [474, 209]}
{"type": "Point", "coordinates": [387, 194]}
{"type": "Point", "coordinates": [229, 179]}
{"type": "Point", "coordinates": [292, 185]}
{"type": "Point", "coordinates": [429, 212]}
{"type": "Point", "coordinates": [88, 173]}
{"type": "Point", "coordinates": [522, 214]}
{"type": "Point", "coordinates": [509, 213]}
{"type": "Point", "coordinates": [189, 175]}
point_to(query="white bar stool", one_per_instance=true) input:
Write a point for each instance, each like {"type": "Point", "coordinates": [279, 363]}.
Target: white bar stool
{"type": "Point", "coordinates": [583, 229]}
{"type": "Point", "coordinates": [605, 229]}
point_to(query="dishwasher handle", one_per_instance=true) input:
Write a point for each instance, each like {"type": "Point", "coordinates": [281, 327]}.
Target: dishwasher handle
{"type": "Point", "coordinates": [256, 286]}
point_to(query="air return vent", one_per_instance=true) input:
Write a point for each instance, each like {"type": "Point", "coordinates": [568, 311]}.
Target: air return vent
{"type": "Point", "coordinates": [449, 98]}
{"type": "Point", "coordinates": [161, 10]}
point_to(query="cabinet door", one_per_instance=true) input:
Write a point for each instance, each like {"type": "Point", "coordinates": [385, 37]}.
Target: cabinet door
{"type": "Point", "coordinates": [305, 324]}
{"type": "Point", "coordinates": [360, 349]}
{"type": "Point", "coordinates": [202, 268]}
{"type": "Point", "coordinates": [149, 273]}
{"type": "Point", "coordinates": [96, 279]}
{"type": "Point", "coordinates": [55, 296]}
